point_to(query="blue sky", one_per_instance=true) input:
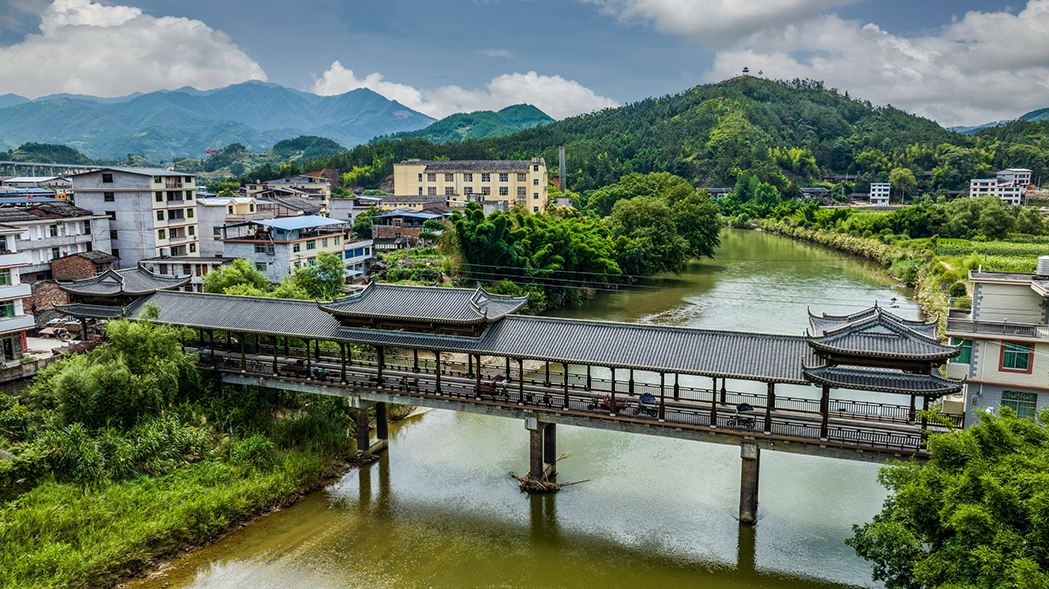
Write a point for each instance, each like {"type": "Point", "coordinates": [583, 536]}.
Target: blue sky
{"type": "Point", "coordinates": [567, 56]}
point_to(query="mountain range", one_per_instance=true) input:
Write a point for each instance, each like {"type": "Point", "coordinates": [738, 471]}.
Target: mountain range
{"type": "Point", "coordinates": [478, 125]}
{"type": "Point", "coordinates": [187, 122]}
{"type": "Point", "coordinates": [1034, 116]}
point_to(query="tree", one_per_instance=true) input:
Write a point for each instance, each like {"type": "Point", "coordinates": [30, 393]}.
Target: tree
{"type": "Point", "coordinates": [362, 225]}
{"type": "Point", "coordinates": [904, 181]}
{"type": "Point", "coordinates": [974, 516]}
{"type": "Point", "coordinates": [241, 271]}
{"type": "Point", "coordinates": [323, 279]}
{"type": "Point", "coordinates": [646, 236]}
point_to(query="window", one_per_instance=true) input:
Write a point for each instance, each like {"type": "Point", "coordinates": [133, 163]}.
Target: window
{"type": "Point", "coordinates": [420, 191]}
{"type": "Point", "coordinates": [113, 235]}
{"type": "Point", "coordinates": [486, 177]}
{"type": "Point", "coordinates": [108, 197]}
{"type": "Point", "coordinates": [175, 214]}
{"type": "Point", "coordinates": [1016, 357]}
{"type": "Point", "coordinates": [251, 208]}
{"type": "Point", "coordinates": [161, 234]}
{"type": "Point", "coordinates": [189, 195]}
{"type": "Point", "coordinates": [468, 191]}
{"type": "Point", "coordinates": [107, 178]}
{"type": "Point", "coordinates": [965, 356]}
{"type": "Point", "coordinates": [468, 177]}
{"type": "Point", "coordinates": [486, 190]}
{"type": "Point", "coordinates": [218, 232]}
{"type": "Point", "coordinates": [396, 222]}
{"type": "Point", "coordinates": [521, 192]}
{"type": "Point", "coordinates": [420, 177]}
{"type": "Point", "coordinates": [112, 215]}
{"type": "Point", "coordinates": [116, 253]}
{"type": "Point", "coordinates": [535, 182]}
{"type": "Point", "coordinates": [189, 213]}
{"type": "Point", "coordinates": [191, 230]}
{"type": "Point", "coordinates": [87, 227]}
{"type": "Point", "coordinates": [175, 195]}
{"type": "Point", "coordinates": [504, 177]}
{"type": "Point", "coordinates": [535, 209]}
{"type": "Point", "coordinates": [260, 248]}
{"type": "Point", "coordinates": [260, 266]}
{"type": "Point", "coordinates": [295, 247]}
{"type": "Point", "coordinates": [504, 191]}
{"type": "Point", "coordinates": [449, 190]}
{"type": "Point", "coordinates": [296, 264]}
{"type": "Point", "coordinates": [160, 197]}
{"type": "Point", "coordinates": [431, 191]}
{"type": "Point", "coordinates": [192, 248]}
{"type": "Point", "coordinates": [449, 177]}
{"type": "Point", "coordinates": [52, 230]}
{"type": "Point", "coordinates": [336, 240]}
{"type": "Point", "coordinates": [7, 309]}
{"type": "Point", "coordinates": [1022, 403]}
{"type": "Point", "coordinates": [324, 242]}
{"type": "Point", "coordinates": [157, 179]}
{"type": "Point", "coordinates": [522, 177]}
{"type": "Point", "coordinates": [55, 253]}
{"type": "Point", "coordinates": [535, 196]}
{"type": "Point", "coordinates": [535, 168]}
{"type": "Point", "coordinates": [432, 177]}
{"type": "Point", "coordinates": [229, 209]}
{"type": "Point", "coordinates": [160, 215]}
{"type": "Point", "coordinates": [5, 277]}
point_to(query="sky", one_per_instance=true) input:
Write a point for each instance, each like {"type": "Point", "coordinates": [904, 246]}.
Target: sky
{"type": "Point", "coordinates": [959, 62]}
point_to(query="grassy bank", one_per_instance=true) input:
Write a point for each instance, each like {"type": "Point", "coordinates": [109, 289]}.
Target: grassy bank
{"type": "Point", "coordinates": [120, 457]}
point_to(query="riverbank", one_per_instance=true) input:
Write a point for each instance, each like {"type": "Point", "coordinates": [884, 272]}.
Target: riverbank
{"type": "Point", "coordinates": [929, 276]}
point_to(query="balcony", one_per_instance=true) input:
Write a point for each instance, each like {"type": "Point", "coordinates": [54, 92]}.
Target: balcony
{"type": "Point", "coordinates": [961, 327]}
{"type": "Point", "coordinates": [16, 323]}
{"type": "Point", "coordinates": [9, 259]}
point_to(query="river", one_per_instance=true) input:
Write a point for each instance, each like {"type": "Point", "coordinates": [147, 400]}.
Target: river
{"type": "Point", "coordinates": [439, 510]}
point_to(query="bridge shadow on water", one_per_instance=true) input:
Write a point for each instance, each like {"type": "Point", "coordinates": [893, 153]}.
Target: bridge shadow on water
{"type": "Point", "coordinates": [542, 531]}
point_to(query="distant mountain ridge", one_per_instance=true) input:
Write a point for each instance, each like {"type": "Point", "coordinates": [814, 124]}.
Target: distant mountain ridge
{"type": "Point", "coordinates": [1034, 116]}
{"type": "Point", "coordinates": [186, 122]}
{"type": "Point", "coordinates": [479, 124]}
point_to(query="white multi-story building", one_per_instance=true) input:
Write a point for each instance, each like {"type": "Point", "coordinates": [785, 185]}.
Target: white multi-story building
{"type": "Point", "coordinates": [277, 246]}
{"type": "Point", "coordinates": [13, 293]}
{"type": "Point", "coordinates": [880, 192]}
{"type": "Point", "coordinates": [194, 267]}
{"type": "Point", "coordinates": [152, 211]}
{"type": "Point", "coordinates": [1009, 185]}
{"type": "Point", "coordinates": [213, 213]}
{"type": "Point", "coordinates": [55, 230]}
{"type": "Point", "coordinates": [1004, 338]}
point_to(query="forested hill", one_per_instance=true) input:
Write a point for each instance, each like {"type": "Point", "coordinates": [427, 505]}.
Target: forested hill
{"type": "Point", "coordinates": [478, 125]}
{"type": "Point", "coordinates": [787, 133]}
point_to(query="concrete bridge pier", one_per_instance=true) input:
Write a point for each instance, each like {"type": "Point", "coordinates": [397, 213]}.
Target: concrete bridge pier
{"type": "Point", "coordinates": [748, 482]}
{"type": "Point", "coordinates": [542, 464]}
{"type": "Point", "coordinates": [382, 428]}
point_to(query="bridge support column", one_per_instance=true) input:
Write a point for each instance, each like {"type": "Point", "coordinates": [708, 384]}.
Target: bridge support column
{"type": "Point", "coordinates": [211, 335]}
{"type": "Point", "coordinates": [723, 391]}
{"type": "Point", "coordinates": [469, 365]}
{"type": "Point", "coordinates": [925, 424]}
{"type": "Point", "coordinates": [380, 363]}
{"type": "Point", "coordinates": [415, 360]}
{"type": "Point", "coordinates": [316, 348]}
{"type": "Point", "coordinates": [477, 386]}
{"type": "Point", "coordinates": [542, 449]}
{"type": "Point", "coordinates": [363, 439]}
{"type": "Point", "coordinates": [565, 366]}
{"type": "Point", "coordinates": [630, 387]}
{"type": "Point", "coordinates": [520, 381]}
{"type": "Point", "coordinates": [437, 371]}
{"type": "Point", "coordinates": [342, 359]}
{"type": "Point", "coordinates": [287, 348]}
{"type": "Point", "coordinates": [257, 348]}
{"type": "Point", "coordinates": [507, 369]}
{"type": "Point", "coordinates": [589, 381]}
{"type": "Point", "coordinates": [748, 482]}
{"type": "Point", "coordinates": [276, 370]}
{"type": "Point", "coordinates": [662, 397]}
{"type": "Point", "coordinates": [612, 395]}
{"type": "Point", "coordinates": [911, 413]}
{"type": "Point", "coordinates": [770, 404]}
{"type": "Point", "coordinates": [546, 382]}
{"type": "Point", "coordinates": [824, 412]}
{"type": "Point", "coordinates": [243, 355]}
{"type": "Point", "coordinates": [382, 429]}
{"type": "Point", "coordinates": [713, 410]}
{"type": "Point", "coordinates": [309, 363]}
{"type": "Point", "coordinates": [677, 389]}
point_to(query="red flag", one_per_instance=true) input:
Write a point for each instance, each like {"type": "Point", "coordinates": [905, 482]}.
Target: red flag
{"type": "Point", "coordinates": [210, 151]}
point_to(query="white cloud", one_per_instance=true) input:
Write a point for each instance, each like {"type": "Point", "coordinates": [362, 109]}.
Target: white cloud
{"type": "Point", "coordinates": [109, 50]}
{"type": "Point", "coordinates": [553, 95]}
{"type": "Point", "coordinates": [711, 22]}
{"type": "Point", "coordinates": [498, 53]}
{"type": "Point", "coordinates": [985, 66]}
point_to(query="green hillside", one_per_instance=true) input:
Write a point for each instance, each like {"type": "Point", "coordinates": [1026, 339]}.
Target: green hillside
{"type": "Point", "coordinates": [787, 133]}
{"type": "Point", "coordinates": [45, 153]}
{"type": "Point", "coordinates": [478, 125]}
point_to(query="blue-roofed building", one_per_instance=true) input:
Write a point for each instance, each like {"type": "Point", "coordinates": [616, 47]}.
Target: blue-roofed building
{"type": "Point", "coordinates": [278, 246]}
{"type": "Point", "coordinates": [400, 229]}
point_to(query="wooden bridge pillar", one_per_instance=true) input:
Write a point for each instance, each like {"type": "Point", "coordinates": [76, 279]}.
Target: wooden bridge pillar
{"type": "Point", "coordinates": [316, 348]}
{"type": "Point", "coordinates": [342, 360]}
{"type": "Point", "coordinates": [677, 389]}
{"type": "Point", "coordinates": [508, 368]}
{"type": "Point", "coordinates": [589, 382]}
{"type": "Point", "coordinates": [546, 381]}
{"type": "Point", "coordinates": [925, 424]}
{"type": "Point", "coordinates": [911, 413]}
{"type": "Point", "coordinates": [770, 404]}
{"type": "Point", "coordinates": [287, 348]}
{"type": "Point", "coordinates": [477, 390]}
{"type": "Point", "coordinates": [380, 364]}
{"type": "Point", "coordinates": [565, 365]}
{"type": "Point", "coordinates": [713, 410]}
{"type": "Point", "coordinates": [309, 363]}
{"type": "Point", "coordinates": [630, 387]}
{"type": "Point", "coordinates": [520, 382]}
{"type": "Point", "coordinates": [748, 482]}
{"type": "Point", "coordinates": [257, 352]}
{"type": "Point", "coordinates": [243, 355]}
{"type": "Point", "coordinates": [824, 412]}
{"type": "Point", "coordinates": [415, 359]}
{"type": "Point", "coordinates": [276, 370]}
{"type": "Point", "coordinates": [469, 365]}
{"type": "Point", "coordinates": [662, 397]}
{"type": "Point", "coordinates": [612, 395]}
{"type": "Point", "coordinates": [437, 371]}
{"type": "Point", "coordinates": [723, 391]}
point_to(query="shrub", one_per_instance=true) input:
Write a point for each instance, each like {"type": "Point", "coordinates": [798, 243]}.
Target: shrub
{"type": "Point", "coordinates": [957, 290]}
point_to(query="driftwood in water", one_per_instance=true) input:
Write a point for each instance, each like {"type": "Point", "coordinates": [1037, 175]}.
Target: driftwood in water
{"type": "Point", "coordinates": [536, 486]}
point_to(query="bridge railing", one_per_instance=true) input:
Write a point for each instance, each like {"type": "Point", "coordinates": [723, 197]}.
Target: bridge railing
{"type": "Point", "coordinates": [457, 384]}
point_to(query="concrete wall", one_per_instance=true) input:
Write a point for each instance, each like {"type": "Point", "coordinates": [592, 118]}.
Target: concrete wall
{"type": "Point", "coordinates": [278, 265]}
{"type": "Point", "coordinates": [1016, 303]}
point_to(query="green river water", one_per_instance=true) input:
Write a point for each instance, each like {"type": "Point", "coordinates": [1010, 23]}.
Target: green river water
{"type": "Point", "coordinates": [439, 509]}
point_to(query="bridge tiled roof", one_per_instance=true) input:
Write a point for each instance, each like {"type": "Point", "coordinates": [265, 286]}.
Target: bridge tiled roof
{"type": "Point", "coordinates": [882, 381]}
{"type": "Point", "coordinates": [135, 281]}
{"type": "Point", "coordinates": [422, 303]}
{"type": "Point", "coordinates": [882, 335]}
{"type": "Point", "coordinates": [823, 323]}
{"type": "Point", "coordinates": [81, 311]}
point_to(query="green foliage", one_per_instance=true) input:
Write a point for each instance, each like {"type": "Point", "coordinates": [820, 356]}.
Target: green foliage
{"type": "Point", "coordinates": [324, 279]}
{"type": "Point", "coordinates": [973, 516]}
{"type": "Point", "coordinates": [646, 236]}
{"type": "Point", "coordinates": [240, 272]}
{"type": "Point", "coordinates": [478, 125]}
{"type": "Point", "coordinates": [46, 153]}
{"type": "Point", "coordinates": [362, 225]}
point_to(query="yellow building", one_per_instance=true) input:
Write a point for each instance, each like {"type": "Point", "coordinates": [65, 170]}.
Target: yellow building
{"type": "Point", "coordinates": [517, 182]}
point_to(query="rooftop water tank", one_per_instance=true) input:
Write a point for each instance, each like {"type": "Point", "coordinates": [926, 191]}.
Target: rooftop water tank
{"type": "Point", "coordinates": [1043, 266]}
